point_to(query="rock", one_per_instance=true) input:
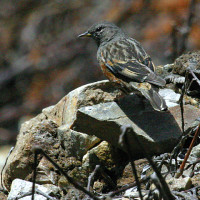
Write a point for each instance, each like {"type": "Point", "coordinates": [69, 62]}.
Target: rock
{"type": "Point", "coordinates": [191, 113]}
{"type": "Point", "coordinates": [182, 63]}
{"type": "Point", "coordinates": [171, 98]}
{"type": "Point", "coordinates": [20, 187]}
{"type": "Point", "coordinates": [128, 177]}
{"type": "Point", "coordinates": [174, 78]}
{"type": "Point", "coordinates": [4, 150]}
{"type": "Point", "coordinates": [50, 130]}
{"type": "Point", "coordinates": [196, 151]}
{"type": "Point", "coordinates": [133, 193]}
{"type": "Point", "coordinates": [190, 100]}
{"type": "Point", "coordinates": [87, 95]}
{"type": "Point", "coordinates": [111, 159]}
{"type": "Point", "coordinates": [180, 184]}
{"type": "Point", "coordinates": [74, 194]}
{"type": "Point", "coordinates": [74, 128]}
{"type": "Point", "coordinates": [45, 174]}
{"type": "Point", "coordinates": [76, 143]}
{"type": "Point", "coordinates": [159, 131]}
{"type": "Point", "coordinates": [37, 131]}
{"type": "Point", "coordinates": [104, 153]}
{"type": "Point", "coordinates": [98, 186]}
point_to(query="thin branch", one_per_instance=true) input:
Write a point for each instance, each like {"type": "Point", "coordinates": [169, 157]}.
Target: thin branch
{"type": "Point", "coordinates": [131, 185]}
{"type": "Point", "coordinates": [91, 177]}
{"type": "Point", "coordinates": [34, 174]}
{"type": "Point", "coordinates": [184, 91]}
{"type": "Point", "coordinates": [181, 169]}
{"type": "Point", "coordinates": [112, 194]}
{"type": "Point", "coordinates": [167, 195]}
{"type": "Point", "coordinates": [103, 171]}
{"type": "Point", "coordinates": [189, 70]}
{"type": "Point", "coordinates": [38, 150]}
{"type": "Point", "coordinates": [180, 145]}
{"type": "Point", "coordinates": [11, 149]}
{"type": "Point", "coordinates": [194, 76]}
{"type": "Point", "coordinates": [123, 140]}
{"type": "Point", "coordinates": [37, 192]}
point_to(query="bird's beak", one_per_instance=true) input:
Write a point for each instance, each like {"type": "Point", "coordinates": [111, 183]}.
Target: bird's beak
{"type": "Point", "coordinates": [86, 34]}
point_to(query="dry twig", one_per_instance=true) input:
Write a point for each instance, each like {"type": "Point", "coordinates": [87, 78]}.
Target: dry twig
{"type": "Point", "coordinates": [11, 149]}
{"type": "Point", "coordinates": [181, 169]}
{"type": "Point", "coordinates": [164, 189]}
{"type": "Point", "coordinates": [124, 141]}
{"type": "Point", "coordinates": [38, 150]}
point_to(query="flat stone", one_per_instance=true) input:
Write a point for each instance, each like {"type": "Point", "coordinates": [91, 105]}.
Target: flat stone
{"type": "Point", "coordinates": [20, 187]}
{"type": "Point", "coordinates": [87, 95]}
{"type": "Point", "coordinates": [75, 143]}
{"type": "Point", "coordinates": [191, 113]}
{"type": "Point", "coordinates": [159, 131]}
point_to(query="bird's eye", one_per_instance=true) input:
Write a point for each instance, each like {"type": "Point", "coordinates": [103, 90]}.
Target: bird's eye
{"type": "Point", "coordinates": [99, 29]}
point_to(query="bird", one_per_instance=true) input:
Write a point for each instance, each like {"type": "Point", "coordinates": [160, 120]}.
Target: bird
{"type": "Point", "coordinates": [124, 61]}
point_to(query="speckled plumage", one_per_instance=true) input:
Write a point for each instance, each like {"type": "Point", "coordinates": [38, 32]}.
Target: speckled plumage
{"type": "Point", "coordinates": [124, 61]}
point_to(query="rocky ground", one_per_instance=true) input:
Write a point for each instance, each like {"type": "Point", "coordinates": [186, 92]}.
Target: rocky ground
{"type": "Point", "coordinates": [90, 132]}
{"type": "Point", "coordinates": [42, 59]}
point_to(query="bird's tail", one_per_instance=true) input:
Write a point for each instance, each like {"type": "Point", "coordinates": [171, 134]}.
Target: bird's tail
{"type": "Point", "coordinates": [150, 93]}
{"type": "Point", "coordinates": [157, 102]}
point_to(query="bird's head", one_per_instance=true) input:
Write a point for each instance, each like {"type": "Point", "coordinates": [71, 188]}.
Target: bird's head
{"type": "Point", "coordinates": [102, 32]}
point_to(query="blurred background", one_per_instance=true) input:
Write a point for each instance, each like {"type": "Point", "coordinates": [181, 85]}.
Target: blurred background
{"type": "Point", "coordinates": [41, 58]}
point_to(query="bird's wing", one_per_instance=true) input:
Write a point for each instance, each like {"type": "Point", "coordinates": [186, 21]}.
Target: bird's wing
{"type": "Point", "coordinates": [134, 71]}
{"type": "Point", "coordinates": [140, 54]}
{"type": "Point", "coordinates": [128, 60]}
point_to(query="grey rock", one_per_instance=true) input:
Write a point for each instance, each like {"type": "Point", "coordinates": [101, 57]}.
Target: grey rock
{"type": "Point", "coordinates": [73, 129]}
{"type": "Point", "coordinates": [87, 95]}
{"type": "Point", "coordinates": [189, 60]}
{"type": "Point", "coordinates": [36, 132]}
{"type": "Point", "coordinates": [51, 131]}
{"type": "Point", "coordinates": [168, 67]}
{"type": "Point", "coordinates": [44, 174]}
{"type": "Point", "coordinates": [20, 187]}
{"type": "Point", "coordinates": [133, 193]}
{"type": "Point", "coordinates": [196, 151]}
{"type": "Point", "coordinates": [191, 114]}
{"type": "Point", "coordinates": [158, 131]}
{"type": "Point", "coordinates": [176, 72]}
{"type": "Point", "coordinates": [180, 184]}
{"type": "Point", "coordinates": [76, 143]}
{"type": "Point", "coordinates": [108, 156]}
{"type": "Point", "coordinates": [170, 97]}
